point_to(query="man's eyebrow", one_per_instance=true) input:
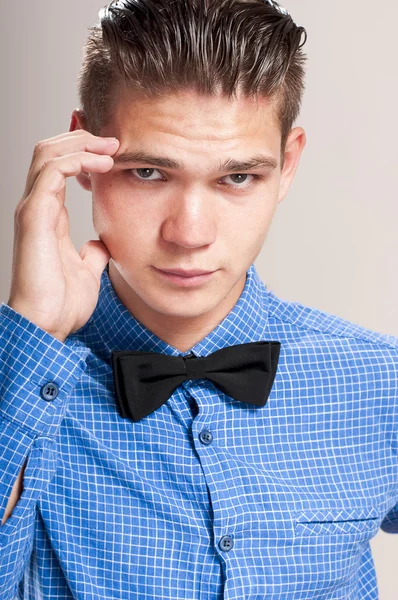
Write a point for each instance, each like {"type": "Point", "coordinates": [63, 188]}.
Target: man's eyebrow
{"type": "Point", "coordinates": [231, 165]}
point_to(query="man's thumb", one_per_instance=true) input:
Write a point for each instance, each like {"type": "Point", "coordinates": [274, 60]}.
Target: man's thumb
{"type": "Point", "coordinates": [95, 254]}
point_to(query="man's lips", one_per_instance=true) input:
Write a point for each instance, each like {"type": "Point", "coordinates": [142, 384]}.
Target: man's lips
{"type": "Point", "coordinates": [186, 273]}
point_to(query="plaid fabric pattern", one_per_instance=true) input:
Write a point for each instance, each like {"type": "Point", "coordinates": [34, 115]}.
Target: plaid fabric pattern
{"type": "Point", "coordinates": [279, 502]}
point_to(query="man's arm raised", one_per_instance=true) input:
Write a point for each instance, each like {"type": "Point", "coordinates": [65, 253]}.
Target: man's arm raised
{"type": "Point", "coordinates": [34, 325]}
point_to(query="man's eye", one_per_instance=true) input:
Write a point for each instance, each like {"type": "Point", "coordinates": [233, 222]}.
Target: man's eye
{"type": "Point", "coordinates": [241, 178]}
{"type": "Point", "coordinates": [145, 173]}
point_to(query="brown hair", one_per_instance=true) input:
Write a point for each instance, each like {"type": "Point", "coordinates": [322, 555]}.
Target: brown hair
{"type": "Point", "coordinates": [158, 47]}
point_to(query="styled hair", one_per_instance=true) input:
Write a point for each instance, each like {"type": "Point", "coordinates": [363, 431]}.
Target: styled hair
{"type": "Point", "coordinates": [160, 47]}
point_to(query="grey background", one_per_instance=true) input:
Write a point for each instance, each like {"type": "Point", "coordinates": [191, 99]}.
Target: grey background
{"type": "Point", "coordinates": [333, 244]}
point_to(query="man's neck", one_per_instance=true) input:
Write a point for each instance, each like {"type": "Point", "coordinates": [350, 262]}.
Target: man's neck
{"type": "Point", "coordinates": [178, 331]}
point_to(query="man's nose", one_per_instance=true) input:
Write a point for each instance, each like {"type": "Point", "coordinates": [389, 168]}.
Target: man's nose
{"type": "Point", "coordinates": [191, 220]}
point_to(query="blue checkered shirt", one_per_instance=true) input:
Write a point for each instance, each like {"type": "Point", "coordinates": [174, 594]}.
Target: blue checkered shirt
{"type": "Point", "coordinates": [278, 503]}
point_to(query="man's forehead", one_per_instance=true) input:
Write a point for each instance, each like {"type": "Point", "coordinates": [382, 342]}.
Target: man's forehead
{"type": "Point", "coordinates": [196, 120]}
{"type": "Point", "coordinates": [194, 106]}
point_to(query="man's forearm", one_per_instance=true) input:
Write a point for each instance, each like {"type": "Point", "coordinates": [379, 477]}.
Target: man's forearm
{"type": "Point", "coordinates": [15, 495]}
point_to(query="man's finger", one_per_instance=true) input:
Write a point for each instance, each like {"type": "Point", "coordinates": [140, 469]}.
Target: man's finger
{"type": "Point", "coordinates": [43, 203]}
{"type": "Point", "coordinates": [63, 145]}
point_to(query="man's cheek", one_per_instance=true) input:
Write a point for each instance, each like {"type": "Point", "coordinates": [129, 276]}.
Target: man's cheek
{"type": "Point", "coordinates": [105, 212]}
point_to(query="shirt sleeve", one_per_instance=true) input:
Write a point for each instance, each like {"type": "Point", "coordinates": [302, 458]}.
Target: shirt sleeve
{"type": "Point", "coordinates": [31, 362]}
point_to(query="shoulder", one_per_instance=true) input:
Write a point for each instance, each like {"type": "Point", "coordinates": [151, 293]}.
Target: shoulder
{"type": "Point", "coordinates": [307, 320]}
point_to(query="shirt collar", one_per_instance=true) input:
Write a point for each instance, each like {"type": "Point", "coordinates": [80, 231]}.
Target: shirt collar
{"type": "Point", "coordinates": [119, 330]}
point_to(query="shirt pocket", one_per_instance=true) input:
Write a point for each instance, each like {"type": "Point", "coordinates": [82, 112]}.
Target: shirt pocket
{"type": "Point", "coordinates": [344, 520]}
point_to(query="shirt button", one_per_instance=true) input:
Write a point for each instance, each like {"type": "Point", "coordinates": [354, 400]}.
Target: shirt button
{"type": "Point", "coordinates": [49, 391]}
{"type": "Point", "coordinates": [226, 543]}
{"type": "Point", "coordinates": [206, 437]}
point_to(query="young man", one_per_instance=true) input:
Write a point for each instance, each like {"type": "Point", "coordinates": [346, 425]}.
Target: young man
{"type": "Point", "coordinates": [166, 433]}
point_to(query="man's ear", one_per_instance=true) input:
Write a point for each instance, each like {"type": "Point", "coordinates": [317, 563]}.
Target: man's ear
{"type": "Point", "coordinates": [294, 146]}
{"type": "Point", "coordinates": [78, 121]}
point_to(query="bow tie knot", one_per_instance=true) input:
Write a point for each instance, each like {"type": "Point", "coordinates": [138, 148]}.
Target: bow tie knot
{"type": "Point", "coordinates": [195, 367]}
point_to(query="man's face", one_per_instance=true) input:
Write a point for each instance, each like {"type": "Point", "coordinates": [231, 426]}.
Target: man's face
{"type": "Point", "coordinates": [198, 216]}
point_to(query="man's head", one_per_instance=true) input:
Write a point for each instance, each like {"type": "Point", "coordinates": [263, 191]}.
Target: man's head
{"type": "Point", "coordinates": [201, 85]}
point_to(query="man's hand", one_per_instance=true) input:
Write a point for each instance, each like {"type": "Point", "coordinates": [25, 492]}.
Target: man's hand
{"type": "Point", "coordinates": [52, 284]}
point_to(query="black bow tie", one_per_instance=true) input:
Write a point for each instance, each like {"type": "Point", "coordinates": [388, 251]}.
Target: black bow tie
{"type": "Point", "coordinates": [144, 381]}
